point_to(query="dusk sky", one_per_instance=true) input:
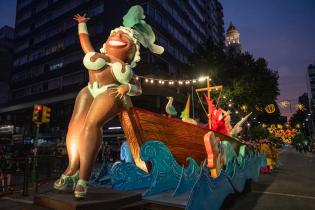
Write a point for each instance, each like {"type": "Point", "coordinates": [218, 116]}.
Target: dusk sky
{"type": "Point", "coordinates": [282, 31]}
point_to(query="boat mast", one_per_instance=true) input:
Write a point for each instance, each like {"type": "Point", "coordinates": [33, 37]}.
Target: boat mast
{"type": "Point", "coordinates": [208, 89]}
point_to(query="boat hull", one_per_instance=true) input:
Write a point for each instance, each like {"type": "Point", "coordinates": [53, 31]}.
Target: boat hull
{"type": "Point", "coordinates": [183, 139]}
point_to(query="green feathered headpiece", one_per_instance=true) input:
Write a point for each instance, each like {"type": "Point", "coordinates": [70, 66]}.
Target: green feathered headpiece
{"type": "Point", "coordinates": [135, 19]}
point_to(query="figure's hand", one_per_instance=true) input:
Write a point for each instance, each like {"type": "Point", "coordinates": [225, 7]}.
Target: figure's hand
{"type": "Point", "coordinates": [81, 19]}
{"type": "Point", "coordinates": [120, 91]}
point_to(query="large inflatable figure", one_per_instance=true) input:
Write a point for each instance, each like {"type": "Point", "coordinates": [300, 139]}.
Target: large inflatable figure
{"type": "Point", "coordinates": [111, 81]}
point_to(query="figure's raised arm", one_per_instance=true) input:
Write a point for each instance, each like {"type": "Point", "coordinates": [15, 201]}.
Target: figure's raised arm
{"type": "Point", "coordinates": [83, 33]}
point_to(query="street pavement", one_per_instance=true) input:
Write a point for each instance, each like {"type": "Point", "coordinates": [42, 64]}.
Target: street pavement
{"type": "Point", "coordinates": [291, 186]}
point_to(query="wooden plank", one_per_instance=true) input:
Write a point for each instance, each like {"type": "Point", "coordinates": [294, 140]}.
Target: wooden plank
{"type": "Point", "coordinates": [133, 135]}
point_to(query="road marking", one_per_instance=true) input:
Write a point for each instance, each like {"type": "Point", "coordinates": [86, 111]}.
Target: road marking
{"type": "Point", "coordinates": [285, 194]}
{"type": "Point", "coordinates": [17, 200]}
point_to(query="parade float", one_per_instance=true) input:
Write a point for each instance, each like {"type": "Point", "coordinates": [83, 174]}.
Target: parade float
{"type": "Point", "coordinates": [175, 163]}
{"type": "Point", "coordinates": [182, 164]}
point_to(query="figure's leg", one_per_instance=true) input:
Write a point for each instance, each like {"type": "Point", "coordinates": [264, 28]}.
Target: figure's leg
{"type": "Point", "coordinates": [103, 108]}
{"type": "Point", "coordinates": [82, 105]}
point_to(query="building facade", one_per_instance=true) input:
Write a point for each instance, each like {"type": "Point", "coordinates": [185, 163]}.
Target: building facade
{"type": "Point", "coordinates": [310, 81]}
{"type": "Point", "coordinates": [6, 60]}
{"type": "Point", "coordinates": [48, 65]}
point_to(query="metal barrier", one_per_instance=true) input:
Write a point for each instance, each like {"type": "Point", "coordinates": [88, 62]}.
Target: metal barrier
{"type": "Point", "coordinates": [34, 170]}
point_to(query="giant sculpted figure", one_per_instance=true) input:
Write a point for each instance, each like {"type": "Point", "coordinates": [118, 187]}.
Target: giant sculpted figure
{"type": "Point", "coordinates": [111, 80]}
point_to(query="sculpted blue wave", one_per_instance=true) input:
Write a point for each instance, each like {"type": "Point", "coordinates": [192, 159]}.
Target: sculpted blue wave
{"type": "Point", "coordinates": [203, 191]}
{"type": "Point", "coordinates": [209, 193]}
{"type": "Point", "coordinates": [188, 177]}
{"type": "Point", "coordinates": [165, 173]}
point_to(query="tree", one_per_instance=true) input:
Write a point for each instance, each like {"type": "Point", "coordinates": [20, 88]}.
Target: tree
{"type": "Point", "coordinates": [246, 80]}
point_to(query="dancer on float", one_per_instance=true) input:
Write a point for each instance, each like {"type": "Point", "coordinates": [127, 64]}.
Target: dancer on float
{"type": "Point", "coordinates": [110, 79]}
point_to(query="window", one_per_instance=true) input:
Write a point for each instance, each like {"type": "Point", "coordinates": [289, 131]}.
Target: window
{"type": "Point", "coordinates": [20, 61]}
{"type": "Point", "coordinates": [158, 17]}
{"type": "Point", "coordinates": [145, 7]}
{"type": "Point", "coordinates": [69, 40]}
{"type": "Point", "coordinates": [58, 46]}
{"type": "Point", "coordinates": [72, 79]}
{"type": "Point", "coordinates": [21, 93]}
{"type": "Point", "coordinates": [44, 20]}
{"type": "Point", "coordinates": [21, 46]}
{"type": "Point", "coordinates": [73, 57]}
{"type": "Point", "coordinates": [56, 65]}
{"type": "Point", "coordinates": [54, 84]}
{"type": "Point", "coordinates": [23, 3]}
{"type": "Point", "coordinates": [19, 76]}
{"type": "Point", "coordinates": [42, 5]}
{"type": "Point", "coordinates": [35, 55]}
{"type": "Point", "coordinates": [22, 31]}
{"type": "Point", "coordinates": [96, 10]}
{"type": "Point", "coordinates": [69, 23]}
{"type": "Point", "coordinates": [151, 11]}
{"type": "Point", "coordinates": [37, 71]}
{"type": "Point", "coordinates": [37, 88]}
{"type": "Point", "coordinates": [162, 41]}
{"type": "Point", "coordinates": [99, 28]}
{"type": "Point", "coordinates": [24, 16]}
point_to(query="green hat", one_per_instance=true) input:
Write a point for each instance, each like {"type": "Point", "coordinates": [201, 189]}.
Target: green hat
{"type": "Point", "coordinates": [135, 19]}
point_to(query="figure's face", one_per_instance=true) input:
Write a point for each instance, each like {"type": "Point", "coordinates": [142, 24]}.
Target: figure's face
{"type": "Point", "coordinates": [120, 46]}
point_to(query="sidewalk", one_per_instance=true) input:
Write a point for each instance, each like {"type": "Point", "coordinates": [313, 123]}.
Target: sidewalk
{"type": "Point", "coordinates": [16, 200]}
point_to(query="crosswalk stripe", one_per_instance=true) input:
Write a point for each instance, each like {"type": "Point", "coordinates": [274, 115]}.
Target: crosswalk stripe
{"type": "Point", "coordinates": [285, 194]}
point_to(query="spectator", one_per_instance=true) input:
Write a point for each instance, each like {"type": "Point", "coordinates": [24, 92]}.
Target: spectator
{"type": "Point", "coordinates": [5, 173]}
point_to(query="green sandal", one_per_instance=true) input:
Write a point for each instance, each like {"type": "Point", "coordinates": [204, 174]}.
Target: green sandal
{"type": "Point", "coordinates": [63, 182]}
{"type": "Point", "coordinates": [78, 194]}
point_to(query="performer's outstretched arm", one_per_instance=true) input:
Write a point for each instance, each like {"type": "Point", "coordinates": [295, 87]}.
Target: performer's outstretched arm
{"type": "Point", "coordinates": [83, 33]}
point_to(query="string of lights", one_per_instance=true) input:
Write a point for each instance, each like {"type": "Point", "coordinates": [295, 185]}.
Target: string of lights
{"type": "Point", "coordinates": [172, 82]}
{"type": "Point", "coordinates": [195, 81]}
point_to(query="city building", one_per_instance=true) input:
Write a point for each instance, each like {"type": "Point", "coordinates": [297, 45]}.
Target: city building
{"type": "Point", "coordinates": [232, 39]}
{"type": "Point", "coordinates": [310, 82]}
{"type": "Point", "coordinates": [6, 60]}
{"type": "Point", "coordinates": [48, 65]}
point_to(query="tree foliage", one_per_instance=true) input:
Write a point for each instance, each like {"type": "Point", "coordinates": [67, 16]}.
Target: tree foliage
{"type": "Point", "coordinates": [246, 80]}
{"type": "Point", "coordinates": [259, 132]}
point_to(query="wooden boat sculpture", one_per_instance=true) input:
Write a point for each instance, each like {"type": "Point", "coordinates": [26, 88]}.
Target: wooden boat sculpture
{"type": "Point", "coordinates": [183, 139]}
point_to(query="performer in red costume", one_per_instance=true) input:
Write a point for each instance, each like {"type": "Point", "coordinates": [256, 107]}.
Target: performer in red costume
{"type": "Point", "coordinates": [111, 81]}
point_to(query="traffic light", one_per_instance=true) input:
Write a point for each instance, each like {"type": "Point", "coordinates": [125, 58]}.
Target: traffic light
{"type": "Point", "coordinates": [46, 114]}
{"type": "Point", "coordinates": [37, 113]}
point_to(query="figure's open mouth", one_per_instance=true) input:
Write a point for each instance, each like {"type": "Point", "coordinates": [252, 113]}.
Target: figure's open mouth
{"type": "Point", "coordinates": [116, 43]}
